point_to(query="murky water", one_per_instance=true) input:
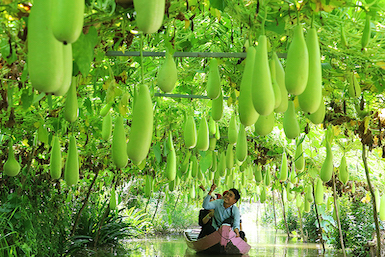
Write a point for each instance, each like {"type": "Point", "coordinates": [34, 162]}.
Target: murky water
{"type": "Point", "coordinates": [264, 242]}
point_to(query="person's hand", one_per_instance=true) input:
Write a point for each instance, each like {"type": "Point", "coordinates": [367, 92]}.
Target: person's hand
{"type": "Point", "coordinates": [211, 213]}
{"type": "Point", "coordinates": [212, 188]}
{"type": "Point", "coordinates": [236, 232]}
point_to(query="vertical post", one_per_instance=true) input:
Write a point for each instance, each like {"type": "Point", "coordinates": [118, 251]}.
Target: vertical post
{"type": "Point", "coordinates": [364, 159]}
{"type": "Point", "coordinates": [319, 220]}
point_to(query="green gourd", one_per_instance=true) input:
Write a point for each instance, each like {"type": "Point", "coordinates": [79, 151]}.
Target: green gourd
{"type": "Point", "coordinates": [299, 159]}
{"type": "Point", "coordinates": [213, 87]}
{"type": "Point", "coordinates": [306, 206]}
{"type": "Point", "coordinates": [185, 164]}
{"type": "Point", "coordinates": [119, 151]}
{"type": "Point", "coordinates": [267, 178]}
{"type": "Point", "coordinates": [167, 75]}
{"type": "Point", "coordinates": [148, 186]}
{"type": "Point", "coordinates": [241, 147]}
{"type": "Point", "coordinates": [356, 85]}
{"type": "Point", "coordinates": [290, 122]}
{"type": "Point", "coordinates": [366, 33]}
{"type": "Point", "coordinates": [283, 170]}
{"type": "Point", "coordinates": [45, 52]}
{"type": "Point", "coordinates": [149, 14]}
{"type": "Point", "coordinates": [232, 132]}
{"type": "Point", "coordinates": [67, 20]}
{"type": "Point", "coordinates": [107, 127]}
{"type": "Point", "coordinates": [289, 194]}
{"type": "Point", "coordinates": [217, 107]}
{"type": "Point", "coordinates": [297, 63]}
{"type": "Point", "coordinates": [229, 157]}
{"type": "Point", "coordinates": [222, 165]}
{"type": "Point", "coordinates": [171, 185]}
{"type": "Point", "coordinates": [327, 167]}
{"type": "Point", "coordinates": [113, 199]}
{"type": "Point", "coordinates": [217, 132]}
{"type": "Point", "coordinates": [318, 116]}
{"type": "Point", "coordinates": [212, 143]}
{"type": "Point", "coordinates": [194, 166]}
{"type": "Point", "coordinates": [262, 88]}
{"type": "Point", "coordinates": [343, 171]}
{"type": "Point", "coordinates": [171, 160]}
{"type": "Point", "coordinates": [309, 193]}
{"type": "Point", "coordinates": [190, 132]}
{"type": "Point", "coordinates": [67, 71]}
{"type": "Point", "coordinates": [377, 199]}
{"type": "Point", "coordinates": [106, 108]}
{"type": "Point", "coordinates": [258, 173]}
{"type": "Point", "coordinates": [55, 162]}
{"type": "Point", "coordinates": [42, 134]}
{"type": "Point", "coordinates": [203, 135]}
{"type": "Point", "coordinates": [247, 114]}
{"type": "Point", "coordinates": [311, 97]}
{"type": "Point", "coordinates": [280, 78]}
{"type": "Point", "coordinates": [11, 166]}
{"type": "Point", "coordinates": [192, 192]}
{"type": "Point", "coordinates": [214, 162]}
{"type": "Point", "coordinates": [263, 194]}
{"type": "Point", "coordinates": [293, 175]}
{"type": "Point", "coordinates": [212, 126]}
{"type": "Point", "coordinates": [382, 208]}
{"type": "Point", "coordinates": [319, 192]}
{"type": "Point", "coordinates": [71, 105]}
{"type": "Point", "coordinates": [141, 126]}
{"type": "Point", "coordinates": [274, 83]}
{"type": "Point", "coordinates": [264, 124]}
{"type": "Point", "coordinates": [71, 170]}
{"type": "Point", "coordinates": [298, 201]}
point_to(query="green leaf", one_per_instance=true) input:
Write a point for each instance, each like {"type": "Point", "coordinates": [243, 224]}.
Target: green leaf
{"type": "Point", "coordinates": [218, 4]}
{"type": "Point", "coordinates": [26, 99]}
{"type": "Point", "coordinates": [88, 105]}
{"type": "Point", "coordinates": [83, 50]}
{"type": "Point", "coordinates": [157, 152]}
{"type": "Point", "coordinates": [276, 26]}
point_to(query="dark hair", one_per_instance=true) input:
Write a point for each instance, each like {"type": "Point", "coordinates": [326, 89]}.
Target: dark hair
{"type": "Point", "coordinates": [237, 196]}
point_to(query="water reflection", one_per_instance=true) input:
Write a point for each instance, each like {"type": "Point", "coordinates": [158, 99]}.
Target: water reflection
{"type": "Point", "coordinates": [263, 241]}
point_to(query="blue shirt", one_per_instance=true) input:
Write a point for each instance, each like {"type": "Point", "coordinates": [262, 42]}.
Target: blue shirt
{"type": "Point", "coordinates": [221, 213]}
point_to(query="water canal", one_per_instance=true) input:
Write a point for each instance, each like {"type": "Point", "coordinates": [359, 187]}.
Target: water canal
{"type": "Point", "coordinates": [264, 241]}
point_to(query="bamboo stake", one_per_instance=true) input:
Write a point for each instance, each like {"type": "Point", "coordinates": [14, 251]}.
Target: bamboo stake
{"type": "Point", "coordinates": [157, 204]}
{"type": "Point", "coordinates": [364, 159]}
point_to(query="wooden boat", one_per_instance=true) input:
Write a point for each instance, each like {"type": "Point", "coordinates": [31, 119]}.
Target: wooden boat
{"type": "Point", "coordinates": [222, 241]}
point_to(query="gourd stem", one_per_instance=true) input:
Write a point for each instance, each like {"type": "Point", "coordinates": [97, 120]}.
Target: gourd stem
{"type": "Point", "coordinates": [141, 58]}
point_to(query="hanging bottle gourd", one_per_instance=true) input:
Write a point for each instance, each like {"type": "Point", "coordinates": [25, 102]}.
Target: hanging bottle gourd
{"type": "Point", "coordinates": [119, 152]}
{"type": "Point", "coordinates": [71, 171]}
{"type": "Point", "coordinates": [11, 166]}
{"type": "Point", "coordinates": [71, 105]}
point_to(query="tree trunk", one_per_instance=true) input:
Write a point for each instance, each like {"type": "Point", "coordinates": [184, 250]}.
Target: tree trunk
{"type": "Point", "coordinates": [338, 215]}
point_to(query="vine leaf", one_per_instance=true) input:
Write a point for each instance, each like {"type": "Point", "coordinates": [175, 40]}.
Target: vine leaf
{"type": "Point", "coordinates": [83, 50]}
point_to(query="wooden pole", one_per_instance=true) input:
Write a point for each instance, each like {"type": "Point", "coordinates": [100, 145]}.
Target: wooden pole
{"type": "Point", "coordinates": [319, 220]}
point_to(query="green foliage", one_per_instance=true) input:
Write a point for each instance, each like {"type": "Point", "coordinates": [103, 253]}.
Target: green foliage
{"type": "Point", "coordinates": [357, 226]}
{"type": "Point", "coordinates": [291, 219]}
{"type": "Point", "coordinates": [95, 230]}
